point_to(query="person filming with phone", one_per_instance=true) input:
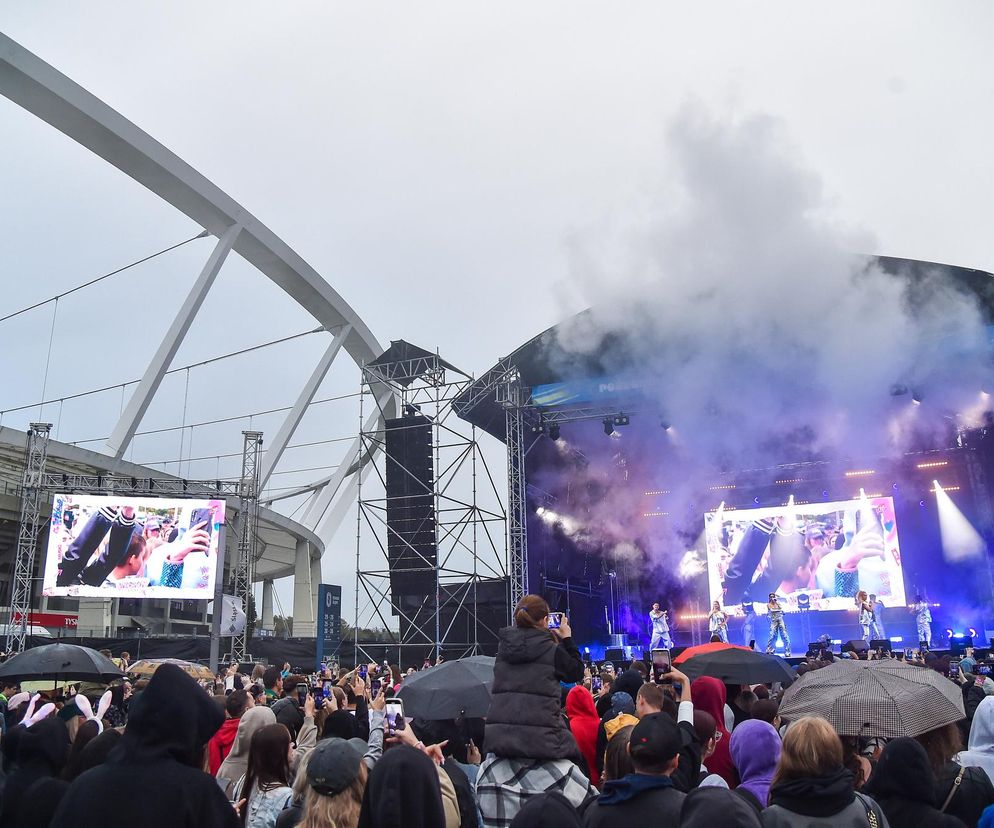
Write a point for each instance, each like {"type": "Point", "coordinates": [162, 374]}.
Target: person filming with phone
{"type": "Point", "coordinates": [529, 745]}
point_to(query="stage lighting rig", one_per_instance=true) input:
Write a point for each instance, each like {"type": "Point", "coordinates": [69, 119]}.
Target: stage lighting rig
{"type": "Point", "coordinates": [554, 431]}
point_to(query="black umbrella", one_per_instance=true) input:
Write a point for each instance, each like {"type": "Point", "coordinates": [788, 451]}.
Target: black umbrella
{"type": "Point", "coordinates": [60, 662]}
{"type": "Point", "coordinates": [449, 690]}
{"type": "Point", "coordinates": [739, 666]}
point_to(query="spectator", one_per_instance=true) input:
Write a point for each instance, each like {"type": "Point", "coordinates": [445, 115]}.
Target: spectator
{"type": "Point", "coordinates": [86, 733]}
{"type": "Point", "coordinates": [767, 710]}
{"type": "Point", "coordinates": [647, 795]}
{"type": "Point", "coordinates": [41, 754]}
{"type": "Point", "coordinates": [711, 807]}
{"type": "Point", "coordinates": [155, 769]}
{"type": "Point", "coordinates": [617, 761]}
{"type": "Point", "coordinates": [755, 748]}
{"type": "Point", "coordinates": [334, 779]}
{"type": "Point", "coordinates": [709, 695]}
{"type": "Point", "coordinates": [95, 753]}
{"type": "Point", "coordinates": [272, 682]}
{"type": "Point", "coordinates": [548, 810]}
{"type": "Point", "coordinates": [218, 748]}
{"type": "Point", "coordinates": [604, 695]}
{"type": "Point", "coordinates": [403, 791]}
{"type": "Point", "coordinates": [811, 787]}
{"type": "Point", "coordinates": [708, 735]}
{"type": "Point", "coordinates": [649, 700]}
{"type": "Point", "coordinates": [981, 746]}
{"type": "Point", "coordinates": [529, 745]}
{"type": "Point", "coordinates": [40, 802]}
{"type": "Point", "coordinates": [266, 787]}
{"type": "Point", "coordinates": [973, 791]}
{"type": "Point", "coordinates": [904, 786]}
{"type": "Point", "coordinates": [583, 723]}
{"type": "Point", "coordinates": [235, 765]}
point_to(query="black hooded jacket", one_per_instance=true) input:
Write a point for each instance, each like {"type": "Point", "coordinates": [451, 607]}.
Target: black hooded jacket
{"type": "Point", "coordinates": [41, 753]}
{"type": "Point", "coordinates": [525, 718]}
{"type": "Point", "coordinates": [903, 784]}
{"type": "Point", "coordinates": [155, 768]}
{"type": "Point", "coordinates": [548, 810]}
{"type": "Point", "coordinates": [403, 791]}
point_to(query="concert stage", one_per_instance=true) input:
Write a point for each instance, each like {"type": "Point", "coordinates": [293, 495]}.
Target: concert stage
{"type": "Point", "coordinates": [613, 507]}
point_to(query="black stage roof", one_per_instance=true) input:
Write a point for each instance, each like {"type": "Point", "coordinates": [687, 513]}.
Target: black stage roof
{"type": "Point", "coordinates": [537, 364]}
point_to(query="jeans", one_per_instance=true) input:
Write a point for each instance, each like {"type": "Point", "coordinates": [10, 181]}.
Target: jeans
{"type": "Point", "coordinates": [72, 571]}
{"type": "Point", "coordinates": [877, 629]}
{"type": "Point", "coordinates": [749, 629]}
{"type": "Point", "coordinates": [661, 640]}
{"type": "Point", "coordinates": [778, 628]}
{"type": "Point", "coordinates": [865, 632]}
{"type": "Point", "coordinates": [721, 632]}
{"type": "Point", "coordinates": [925, 632]}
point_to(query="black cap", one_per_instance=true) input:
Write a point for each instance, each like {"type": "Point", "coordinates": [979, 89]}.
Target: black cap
{"type": "Point", "coordinates": [655, 739]}
{"type": "Point", "coordinates": [333, 765]}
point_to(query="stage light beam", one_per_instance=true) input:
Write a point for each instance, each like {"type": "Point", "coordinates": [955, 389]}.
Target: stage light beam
{"type": "Point", "coordinates": [960, 541]}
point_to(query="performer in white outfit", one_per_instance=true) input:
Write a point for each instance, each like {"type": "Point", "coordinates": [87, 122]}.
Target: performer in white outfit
{"type": "Point", "coordinates": [660, 629]}
{"type": "Point", "coordinates": [718, 622]}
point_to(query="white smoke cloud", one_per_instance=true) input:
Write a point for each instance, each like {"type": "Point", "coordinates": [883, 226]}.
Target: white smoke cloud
{"type": "Point", "coordinates": [755, 316]}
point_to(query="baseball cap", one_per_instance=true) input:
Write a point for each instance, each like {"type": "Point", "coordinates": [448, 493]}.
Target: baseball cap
{"type": "Point", "coordinates": [655, 739]}
{"type": "Point", "coordinates": [333, 765]}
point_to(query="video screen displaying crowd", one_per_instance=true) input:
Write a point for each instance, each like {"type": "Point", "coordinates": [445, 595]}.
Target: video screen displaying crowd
{"type": "Point", "coordinates": [565, 743]}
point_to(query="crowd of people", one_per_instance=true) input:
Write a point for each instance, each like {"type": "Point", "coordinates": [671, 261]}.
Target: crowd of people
{"type": "Point", "coordinates": [565, 743]}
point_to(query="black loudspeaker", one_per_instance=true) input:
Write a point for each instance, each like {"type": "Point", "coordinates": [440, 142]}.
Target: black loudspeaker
{"type": "Point", "coordinates": [881, 644]}
{"type": "Point", "coordinates": [412, 548]}
{"type": "Point", "coordinates": [857, 645]}
{"type": "Point", "coordinates": [619, 657]}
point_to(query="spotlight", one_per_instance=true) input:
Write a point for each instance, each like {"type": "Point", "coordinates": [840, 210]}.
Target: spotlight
{"type": "Point", "coordinates": [537, 428]}
{"type": "Point", "coordinates": [411, 410]}
{"type": "Point", "coordinates": [620, 419]}
{"type": "Point", "coordinates": [921, 503]}
{"type": "Point", "coordinates": [608, 426]}
{"type": "Point", "coordinates": [949, 632]}
{"type": "Point", "coordinates": [973, 632]}
{"type": "Point", "coordinates": [824, 492]}
{"type": "Point", "coordinates": [916, 398]}
{"type": "Point", "coordinates": [664, 425]}
{"type": "Point", "coordinates": [755, 500]}
{"type": "Point", "coordinates": [554, 431]}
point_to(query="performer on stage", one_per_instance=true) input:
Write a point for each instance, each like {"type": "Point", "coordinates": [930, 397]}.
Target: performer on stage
{"type": "Point", "coordinates": [923, 617]}
{"type": "Point", "coordinates": [877, 624]}
{"type": "Point", "coordinates": [865, 609]}
{"type": "Point", "coordinates": [777, 625]}
{"type": "Point", "coordinates": [718, 622]}
{"type": "Point", "coordinates": [660, 629]}
{"type": "Point", "coordinates": [749, 625]}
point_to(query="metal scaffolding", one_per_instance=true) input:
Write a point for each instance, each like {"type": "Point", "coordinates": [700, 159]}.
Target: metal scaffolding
{"type": "Point", "coordinates": [468, 563]}
{"type": "Point", "coordinates": [242, 571]}
{"type": "Point", "coordinates": [32, 490]}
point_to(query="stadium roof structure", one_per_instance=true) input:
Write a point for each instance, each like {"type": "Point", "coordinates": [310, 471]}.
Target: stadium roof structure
{"type": "Point", "coordinates": [541, 361]}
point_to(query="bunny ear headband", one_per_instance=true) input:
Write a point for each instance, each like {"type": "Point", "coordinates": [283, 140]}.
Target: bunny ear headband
{"type": "Point", "coordinates": [17, 700]}
{"type": "Point", "coordinates": [30, 717]}
{"type": "Point", "coordinates": [86, 709]}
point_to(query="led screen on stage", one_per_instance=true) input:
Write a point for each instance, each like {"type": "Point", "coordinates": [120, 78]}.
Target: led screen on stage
{"type": "Point", "coordinates": [825, 551]}
{"type": "Point", "coordinates": [133, 547]}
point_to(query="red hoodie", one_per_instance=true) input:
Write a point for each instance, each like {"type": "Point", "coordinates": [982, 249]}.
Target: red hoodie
{"type": "Point", "coordinates": [583, 722]}
{"type": "Point", "coordinates": [220, 744]}
{"type": "Point", "coordinates": [709, 695]}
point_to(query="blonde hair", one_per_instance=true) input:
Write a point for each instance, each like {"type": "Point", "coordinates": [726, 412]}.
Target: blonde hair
{"type": "Point", "coordinates": [338, 811]}
{"type": "Point", "coordinates": [811, 747]}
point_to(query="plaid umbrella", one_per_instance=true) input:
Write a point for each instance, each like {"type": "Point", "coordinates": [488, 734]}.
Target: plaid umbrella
{"type": "Point", "coordinates": [147, 666]}
{"type": "Point", "coordinates": [885, 698]}
{"type": "Point", "coordinates": [738, 665]}
{"type": "Point", "coordinates": [702, 649]}
{"type": "Point", "coordinates": [449, 690]}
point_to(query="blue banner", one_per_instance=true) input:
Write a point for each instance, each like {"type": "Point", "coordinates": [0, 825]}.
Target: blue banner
{"type": "Point", "coordinates": [329, 632]}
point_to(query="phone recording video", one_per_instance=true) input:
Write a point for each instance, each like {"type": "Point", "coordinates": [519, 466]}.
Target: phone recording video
{"type": "Point", "coordinates": [204, 516]}
{"type": "Point", "coordinates": [661, 660]}
{"type": "Point", "coordinates": [394, 712]}
{"type": "Point", "coordinates": [374, 688]}
{"type": "Point", "coordinates": [596, 684]}
{"type": "Point", "coordinates": [555, 620]}
{"type": "Point", "coordinates": [363, 669]}
{"type": "Point", "coordinates": [953, 669]}
{"type": "Point", "coordinates": [302, 690]}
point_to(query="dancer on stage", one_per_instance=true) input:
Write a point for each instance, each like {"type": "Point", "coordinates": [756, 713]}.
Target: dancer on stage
{"type": "Point", "coordinates": [749, 624]}
{"type": "Point", "coordinates": [877, 624]}
{"type": "Point", "coordinates": [865, 609]}
{"type": "Point", "coordinates": [923, 616]}
{"type": "Point", "coordinates": [660, 629]}
{"type": "Point", "coordinates": [718, 622]}
{"type": "Point", "coordinates": [777, 625]}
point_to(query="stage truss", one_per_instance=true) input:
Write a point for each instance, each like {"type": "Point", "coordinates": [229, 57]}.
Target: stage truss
{"type": "Point", "coordinates": [470, 519]}
{"type": "Point", "coordinates": [38, 484]}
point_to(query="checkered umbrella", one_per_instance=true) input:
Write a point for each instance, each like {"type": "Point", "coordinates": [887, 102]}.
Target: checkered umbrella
{"type": "Point", "coordinates": [885, 698]}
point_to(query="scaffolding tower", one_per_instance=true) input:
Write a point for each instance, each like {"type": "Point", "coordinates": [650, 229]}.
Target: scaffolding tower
{"type": "Point", "coordinates": [456, 551]}
{"type": "Point", "coordinates": [248, 531]}
{"type": "Point", "coordinates": [32, 490]}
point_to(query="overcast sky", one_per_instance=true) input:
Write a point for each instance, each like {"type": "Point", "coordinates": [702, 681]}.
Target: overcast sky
{"type": "Point", "coordinates": [435, 162]}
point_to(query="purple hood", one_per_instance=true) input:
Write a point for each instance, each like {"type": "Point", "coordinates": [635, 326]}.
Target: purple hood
{"type": "Point", "coordinates": [755, 748]}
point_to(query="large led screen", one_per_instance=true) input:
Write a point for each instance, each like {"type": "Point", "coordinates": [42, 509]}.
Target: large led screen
{"type": "Point", "coordinates": [825, 551]}
{"type": "Point", "coordinates": [133, 547]}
